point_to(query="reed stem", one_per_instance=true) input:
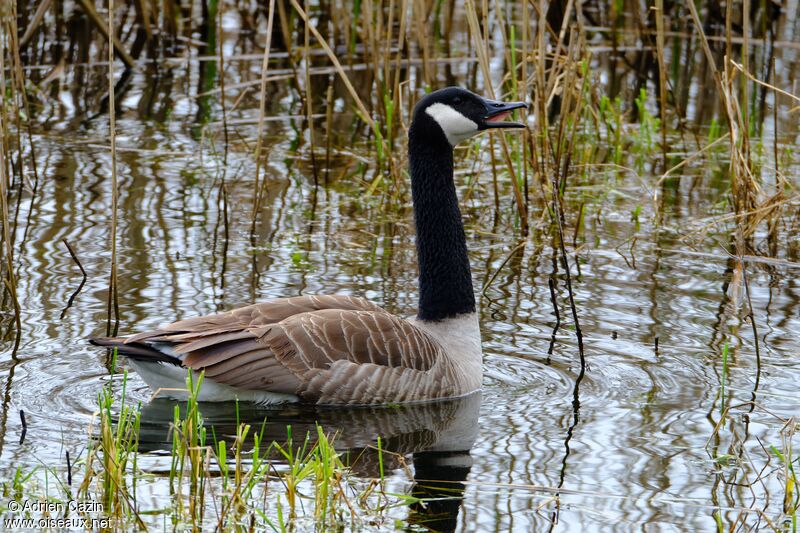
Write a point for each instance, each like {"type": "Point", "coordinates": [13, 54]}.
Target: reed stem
{"type": "Point", "coordinates": [113, 298]}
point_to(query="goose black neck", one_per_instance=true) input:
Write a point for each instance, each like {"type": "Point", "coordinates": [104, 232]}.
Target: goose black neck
{"type": "Point", "coordinates": [445, 280]}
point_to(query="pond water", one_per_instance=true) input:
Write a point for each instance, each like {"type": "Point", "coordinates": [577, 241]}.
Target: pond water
{"type": "Point", "coordinates": [635, 441]}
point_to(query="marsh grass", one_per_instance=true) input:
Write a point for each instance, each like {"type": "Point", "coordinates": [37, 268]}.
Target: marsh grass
{"type": "Point", "coordinates": [213, 482]}
{"type": "Point", "coordinates": [112, 457]}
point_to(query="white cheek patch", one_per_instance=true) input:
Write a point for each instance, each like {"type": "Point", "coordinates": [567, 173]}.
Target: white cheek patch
{"type": "Point", "coordinates": [455, 126]}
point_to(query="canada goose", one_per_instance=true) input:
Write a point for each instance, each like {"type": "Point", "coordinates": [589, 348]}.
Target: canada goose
{"type": "Point", "coordinates": [343, 349]}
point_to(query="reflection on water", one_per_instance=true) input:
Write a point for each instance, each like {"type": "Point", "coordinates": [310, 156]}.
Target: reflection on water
{"type": "Point", "coordinates": [644, 445]}
{"type": "Point", "coordinates": [437, 438]}
{"type": "Point", "coordinates": [444, 427]}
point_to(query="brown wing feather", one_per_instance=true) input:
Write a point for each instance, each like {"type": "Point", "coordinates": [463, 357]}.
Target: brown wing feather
{"type": "Point", "coordinates": [334, 356]}
{"type": "Point", "coordinates": [260, 314]}
{"type": "Point", "coordinates": [329, 349]}
{"type": "Point", "coordinates": [321, 338]}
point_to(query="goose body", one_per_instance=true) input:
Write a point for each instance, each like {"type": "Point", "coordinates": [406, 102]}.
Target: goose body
{"type": "Point", "coordinates": [341, 349]}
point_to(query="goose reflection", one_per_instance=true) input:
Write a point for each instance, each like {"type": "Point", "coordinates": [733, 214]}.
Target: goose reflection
{"type": "Point", "coordinates": [437, 437]}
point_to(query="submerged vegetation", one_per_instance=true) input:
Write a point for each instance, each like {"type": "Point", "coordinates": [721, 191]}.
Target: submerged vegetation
{"type": "Point", "coordinates": [634, 109]}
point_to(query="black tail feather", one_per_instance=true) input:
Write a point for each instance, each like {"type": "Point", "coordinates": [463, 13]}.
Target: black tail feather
{"type": "Point", "coordinates": [137, 351]}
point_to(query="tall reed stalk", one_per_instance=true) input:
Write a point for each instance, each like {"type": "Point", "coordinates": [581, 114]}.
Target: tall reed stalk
{"type": "Point", "coordinates": [257, 187]}
{"type": "Point", "coordinates": [309, 99]}
{"type": "Point", "coordinates": [363, 113]}
{"type": "Point", "coordinates": [745, 187]}
{"type": "Point", "coordinates": [481, 41]}
{"type": "Point", "coordinates": [662, 76]}
{"type": "Point", "coordinates": [113, 298]}
{"type": "Point", "coordinates": [9, 280]}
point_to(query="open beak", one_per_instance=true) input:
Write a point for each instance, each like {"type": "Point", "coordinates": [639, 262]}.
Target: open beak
{"type": "Point", "coordinates": [497, 112]}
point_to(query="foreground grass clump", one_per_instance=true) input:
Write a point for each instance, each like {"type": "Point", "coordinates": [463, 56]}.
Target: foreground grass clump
{"type": "Point", "coordinates": [213, 484]}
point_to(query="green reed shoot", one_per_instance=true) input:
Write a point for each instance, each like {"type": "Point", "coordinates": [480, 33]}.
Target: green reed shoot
{"type": "Point", "coordinates": [611, 115]}
{"type": "Point", "coordinates": [115, 450]}
{"type": "Point", "coordinates": [649, 126]}
{"type": "Point", "coordinates": [388, 104]}
{"type": "Point", "coordinates": [299, 470]}
{"type": "Point", "coordinates": [326, 465]}
{"type": "Point", "coordinates": [713, 130]}
{"type": "Point", "coordinates": [190, 434]}
{"type": "Point", "coordinates": [380, 458]}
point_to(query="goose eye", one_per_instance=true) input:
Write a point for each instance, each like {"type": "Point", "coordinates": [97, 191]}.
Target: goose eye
{"type": "Point", "coordinates": [457, 100]}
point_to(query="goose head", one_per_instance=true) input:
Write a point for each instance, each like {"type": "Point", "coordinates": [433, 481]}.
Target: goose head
{"type": "Point", "coordinates": [459, 114]}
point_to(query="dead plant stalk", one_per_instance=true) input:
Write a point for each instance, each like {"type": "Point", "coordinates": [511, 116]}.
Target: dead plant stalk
{"type": "Point", "coordinates": [261, 114]}
{"type": "Point", "coordinates": [113, 300]}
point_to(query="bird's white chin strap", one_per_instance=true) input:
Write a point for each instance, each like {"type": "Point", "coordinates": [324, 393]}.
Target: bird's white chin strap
{"type": "Point", "coordinates": [455, 126]}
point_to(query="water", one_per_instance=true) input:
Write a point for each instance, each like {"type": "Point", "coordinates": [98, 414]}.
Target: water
{"type": "Point", "coordinates": [635, 442]}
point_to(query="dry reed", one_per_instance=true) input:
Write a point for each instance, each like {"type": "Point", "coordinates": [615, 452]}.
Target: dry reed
{"type": "Point", "coordinates": [112, 307]}
{"type": "Point", "coordinates": [257, 188]}
{"type": "Point", "coordinates": [9, 281]}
